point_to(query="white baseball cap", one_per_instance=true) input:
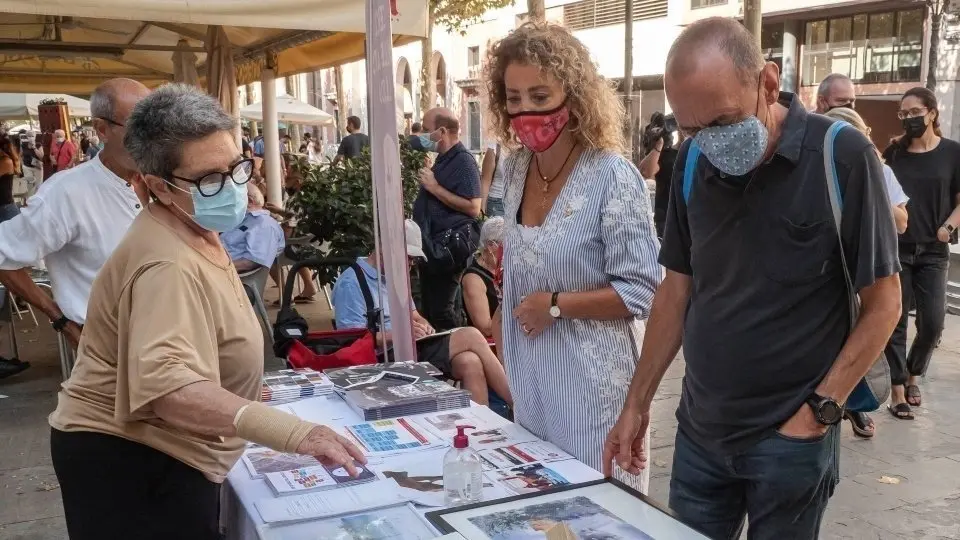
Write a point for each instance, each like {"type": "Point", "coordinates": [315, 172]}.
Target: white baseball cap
{"type": "Point", "coordinates": [414, 239]}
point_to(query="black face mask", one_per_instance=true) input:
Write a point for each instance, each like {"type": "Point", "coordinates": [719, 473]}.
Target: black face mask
{"type": "Point", "coordinates": [914, 127]}
{"type": "Point", "coordinates": [290, 191]}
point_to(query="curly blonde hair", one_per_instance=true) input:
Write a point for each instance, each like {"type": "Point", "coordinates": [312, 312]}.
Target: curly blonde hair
{"type": "Point", "coordinates": [596, 114]}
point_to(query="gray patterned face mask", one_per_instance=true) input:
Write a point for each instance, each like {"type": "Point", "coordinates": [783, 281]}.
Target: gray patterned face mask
{"type": "Point", "coordinates": [734, 149]}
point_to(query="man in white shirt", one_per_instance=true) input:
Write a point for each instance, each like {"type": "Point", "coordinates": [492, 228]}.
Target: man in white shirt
{"type": "Point", "coordinates": [76, 218]}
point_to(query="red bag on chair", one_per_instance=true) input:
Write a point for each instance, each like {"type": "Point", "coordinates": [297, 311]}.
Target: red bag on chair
{"type": "Point", "coordinates": [346, 348]}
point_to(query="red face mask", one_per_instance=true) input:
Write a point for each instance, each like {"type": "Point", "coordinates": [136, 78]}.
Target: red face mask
{"type": "Point", "coordinates": [538, 130]}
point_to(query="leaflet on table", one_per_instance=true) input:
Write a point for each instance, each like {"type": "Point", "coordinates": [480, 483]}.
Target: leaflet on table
{"type": "Point", "coordinates": [401, 522]}
{"type": "Point", "coordinates": [347, 500]}
{"type": "Point", "coordinates": [394, 436]}
{"type": "Point", "coordinates": [535, 477]}
{"type": "Point", "coordinates": [521, 454]}
{"type": "Point", "coordinates": [420, 476]}
{"type": "Point", "coordinates": [261, 460]}
{"type": "Point", "coordinates": [318, 478]}
{"type": "Point", "coordinates": [444, 424]}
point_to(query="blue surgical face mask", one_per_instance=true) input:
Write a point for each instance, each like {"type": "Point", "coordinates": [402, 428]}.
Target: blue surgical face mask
{"type": "Point", "coordinates": [427, 143]}
{"type": "Point", "coordinates": [222, 212]}
{"type": "Point", "coordinates": [734, 149]}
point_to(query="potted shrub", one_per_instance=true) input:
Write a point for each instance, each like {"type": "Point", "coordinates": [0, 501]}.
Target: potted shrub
{"type": "Point", "coordinates": [335, 204]}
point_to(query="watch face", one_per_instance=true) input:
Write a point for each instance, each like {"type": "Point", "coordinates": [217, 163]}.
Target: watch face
{"type": "Point", "coordinates": [830, 412]}
{"type": "Point", "coordinates": [554, 312]}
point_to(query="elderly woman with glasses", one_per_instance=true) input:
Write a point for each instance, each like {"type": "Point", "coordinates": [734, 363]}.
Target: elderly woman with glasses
{"type": "Point", "coordinates": [164, 393]}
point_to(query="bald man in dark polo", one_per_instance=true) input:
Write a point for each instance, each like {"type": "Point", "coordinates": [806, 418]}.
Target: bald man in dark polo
{"type": "Point", "coordinates": [755, 291]}
{"type": "Point", "coordinates": [446, 210]}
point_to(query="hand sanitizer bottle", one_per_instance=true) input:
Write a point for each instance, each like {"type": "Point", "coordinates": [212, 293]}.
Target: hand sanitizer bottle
{"type": "Point", "coordinates": [462, 472]}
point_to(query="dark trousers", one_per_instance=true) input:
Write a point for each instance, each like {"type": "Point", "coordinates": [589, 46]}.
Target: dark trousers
{"type": "Point", "coordinates": [923, 282]}
{"type": "Point", "coordinates": [780, 484]}
{"type": "Point", "coordinates": [115, 489]}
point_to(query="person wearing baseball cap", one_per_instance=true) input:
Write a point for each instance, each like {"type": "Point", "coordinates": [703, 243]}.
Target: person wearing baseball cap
{"type": "Point", "coordinates": [462, 354]}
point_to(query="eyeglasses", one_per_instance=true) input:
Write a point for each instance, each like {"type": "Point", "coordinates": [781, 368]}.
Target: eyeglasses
{"type": "Point", "coordinates": [912, 113]}
{"type": "Point", "coordinates": [212, 183]}
{"type": "Point", "coordinates": [110, 121]}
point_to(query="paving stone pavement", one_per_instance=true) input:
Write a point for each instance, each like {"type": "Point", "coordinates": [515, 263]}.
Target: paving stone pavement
{"type": "Point", "coordinates": [923, 455]}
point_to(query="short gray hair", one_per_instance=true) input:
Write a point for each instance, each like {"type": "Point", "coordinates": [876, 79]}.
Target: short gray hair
{"type": "Point", "coordinates": [101, 103]}
{"type": "Point", "coordinates": [827, 83]}
{"type": "Point", "coordinates": [725, 35]}
{"type": "Point", "coordinates": [492, 231]}
{"type": "Point", "coordinates": [165, 120]}
{"type": "Point", "coordinates": [255, 196]}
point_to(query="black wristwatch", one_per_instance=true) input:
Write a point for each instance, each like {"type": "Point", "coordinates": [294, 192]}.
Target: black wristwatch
{"type": "Point", "coordinates": [60, 323]}
{"type": "Point", "coordinates": [827, 411]}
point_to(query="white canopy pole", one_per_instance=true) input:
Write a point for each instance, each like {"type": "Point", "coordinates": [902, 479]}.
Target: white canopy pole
{"type": "Point", "coordinates": [271, 136]}
{"type": "Point", "coordinates": [385, 166]}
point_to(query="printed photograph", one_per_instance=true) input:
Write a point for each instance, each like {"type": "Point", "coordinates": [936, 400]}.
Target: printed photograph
{"type": "Point", "coordinates": [529, 478]}
{"type": "Point", "coordinates": [574, 518]}
{"type": "Point", "coordinates": [446, 421]}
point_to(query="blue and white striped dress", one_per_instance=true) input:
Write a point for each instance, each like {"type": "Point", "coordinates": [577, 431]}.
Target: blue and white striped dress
{"type": "Point", "coordinates": [569, 384]}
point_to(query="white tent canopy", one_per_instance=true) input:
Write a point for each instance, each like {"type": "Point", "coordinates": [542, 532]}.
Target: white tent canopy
{"type": "Point", "coordinates": [24, 106]}
{"type": "Point", "coordinates": [291, 110]}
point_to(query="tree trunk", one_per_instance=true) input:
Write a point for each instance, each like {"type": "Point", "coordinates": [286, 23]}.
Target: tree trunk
{"type": "Point", "coordinates": [341, 102]}
{"type": "Point", "coordinates": [428, 83]}
{"type": "Point", "coordinates": [753, 17]}
{"type": "Point", "coordinates": [933, 57]}
{"type": "Point", "coordinates": [536, 11]}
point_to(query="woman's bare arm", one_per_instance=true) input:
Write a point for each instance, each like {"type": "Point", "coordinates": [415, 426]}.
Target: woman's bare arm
{"type": "Point", "coordinates": [202, 407]}
{"type": "Point", "coordinates": [602, 305]}
{"type": "Point", "coordinates": [475, 302]}
{"type": "Point", "coordinates": [900, 217]}
{"type": "Point", "coordinates": [486, 174]}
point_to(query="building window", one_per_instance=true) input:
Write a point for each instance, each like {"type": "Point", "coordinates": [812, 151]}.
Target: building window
{"type": "Point", "coordinates": [694, 4]}
{"type": "Point", "coordinates": [771, 42]}
{"type": "Point", "coordinates": [882, 47]}
{"type": "Point", "coordinates": [473, 56]}
{"type": "Point", "coordinates": [587, 14]}
{"type": "Point", "coordinates": [473, 124]}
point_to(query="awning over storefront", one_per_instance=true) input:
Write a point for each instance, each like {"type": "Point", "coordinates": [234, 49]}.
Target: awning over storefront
{"type": "Point", "coordinates": [70, 47]}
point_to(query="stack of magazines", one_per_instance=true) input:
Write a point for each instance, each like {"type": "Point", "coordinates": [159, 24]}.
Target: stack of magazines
{"type": "Point", "coordinates": [288, 384]}
{"type": "Point", "coordinates": [424, 395]}
{"type": "Point", "coordinates": [380, 375]}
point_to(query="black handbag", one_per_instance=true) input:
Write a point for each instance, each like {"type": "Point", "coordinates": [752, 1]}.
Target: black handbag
{"type": "Point", "coordinates": [449, 250]}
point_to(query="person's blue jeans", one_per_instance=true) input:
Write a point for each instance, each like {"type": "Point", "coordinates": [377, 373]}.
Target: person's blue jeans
{"type": "Point", "coordinates": [780, 484]}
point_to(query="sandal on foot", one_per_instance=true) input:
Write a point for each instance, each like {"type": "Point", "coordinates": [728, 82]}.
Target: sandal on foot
{"type": "Point", "coordinates": [901, 411]}
{"type": "Point", "coordinates": [913, 395]}
{"type": "Point", "coordinates": [862, 424]}
{"type": "Point", "coordinates": [301, 299]}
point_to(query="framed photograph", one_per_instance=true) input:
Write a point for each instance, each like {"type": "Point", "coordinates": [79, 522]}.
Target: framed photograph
{"type": "Point", "coordinates": [605, 509]}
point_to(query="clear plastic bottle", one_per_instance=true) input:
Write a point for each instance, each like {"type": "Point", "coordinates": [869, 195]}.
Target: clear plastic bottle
{"type": "Point", "coordinates": [462, 472]}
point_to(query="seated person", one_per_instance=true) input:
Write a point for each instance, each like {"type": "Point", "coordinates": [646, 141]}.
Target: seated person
{"type": "Point", "coordinates": [258, 239]}
{"type": "Point", "coordinates": [462, 354]}
{"type": "Point", "coordinates": [481, 295]}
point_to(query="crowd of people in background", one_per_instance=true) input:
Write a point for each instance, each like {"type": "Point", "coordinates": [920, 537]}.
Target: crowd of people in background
{"type": "Point", "coordinates": [550, 281]}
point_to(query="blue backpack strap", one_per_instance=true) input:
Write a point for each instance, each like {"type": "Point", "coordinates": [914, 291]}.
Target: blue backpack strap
{"type": "Point", "coordinates": [690, 169]}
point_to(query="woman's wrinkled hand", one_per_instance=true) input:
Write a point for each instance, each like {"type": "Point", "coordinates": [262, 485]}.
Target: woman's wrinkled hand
{"type": "Point", "coordinates": [331, 448]}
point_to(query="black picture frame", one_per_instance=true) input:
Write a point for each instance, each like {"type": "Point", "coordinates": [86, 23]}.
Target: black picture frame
{"type": "Point", "coordinates": [436, 517]}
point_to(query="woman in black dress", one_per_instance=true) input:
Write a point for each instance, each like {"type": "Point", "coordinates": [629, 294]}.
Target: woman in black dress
{"type": "Point", "coordinates": [9, 171]}
{"type": "Point", "coordinates": [928, 167]}
{"type": "Point", "coordinates": [481, 294]}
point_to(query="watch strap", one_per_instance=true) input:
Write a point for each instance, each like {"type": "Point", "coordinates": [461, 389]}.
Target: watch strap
{"type": "Point", "coordinates": [60, 323]}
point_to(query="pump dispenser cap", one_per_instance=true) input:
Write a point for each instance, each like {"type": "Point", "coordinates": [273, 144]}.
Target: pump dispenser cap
{"type": "Point", "coordinates": [460, 440]}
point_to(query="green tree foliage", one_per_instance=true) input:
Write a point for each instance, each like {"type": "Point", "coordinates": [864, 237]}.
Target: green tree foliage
{"type": "Point", "coordinates": [335, 204]}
